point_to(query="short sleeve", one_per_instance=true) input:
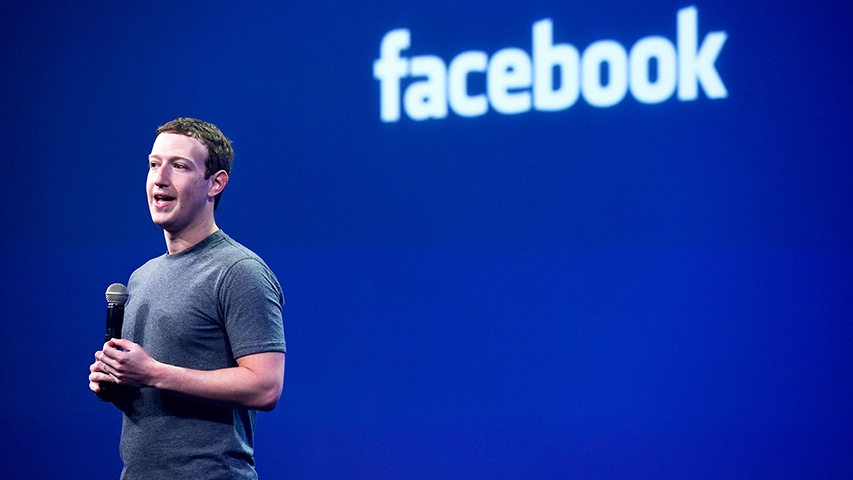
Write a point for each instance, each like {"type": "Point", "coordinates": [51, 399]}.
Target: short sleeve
{"type": "Point", "coordinates": [251, 300]}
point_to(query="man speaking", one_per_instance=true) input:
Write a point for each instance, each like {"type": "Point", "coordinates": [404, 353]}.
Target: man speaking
{"type": "Point", "coordinates": [204, 341]}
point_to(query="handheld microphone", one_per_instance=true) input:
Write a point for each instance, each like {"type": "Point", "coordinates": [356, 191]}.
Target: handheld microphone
{"type": "Point", "coordinates": [116, 298]}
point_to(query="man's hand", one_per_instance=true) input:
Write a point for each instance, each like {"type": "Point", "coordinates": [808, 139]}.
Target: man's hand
{"type": "Point", "coordinates": [122, 362]}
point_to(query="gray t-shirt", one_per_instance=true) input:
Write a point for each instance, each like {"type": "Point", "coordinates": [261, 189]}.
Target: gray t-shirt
{"type": "Point", "coordinates": [201, 308]}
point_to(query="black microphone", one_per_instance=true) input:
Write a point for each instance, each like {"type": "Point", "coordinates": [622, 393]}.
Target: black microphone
{"type": "Point", "coordinates": [116, 298]}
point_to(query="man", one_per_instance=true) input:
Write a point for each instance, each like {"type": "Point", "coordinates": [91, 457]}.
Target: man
{"type": "Point", "coordinates": [204, 340]}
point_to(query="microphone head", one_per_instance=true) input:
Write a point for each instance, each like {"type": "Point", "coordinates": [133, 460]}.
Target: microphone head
{"type": "Point", "coordinates": [117, 294]}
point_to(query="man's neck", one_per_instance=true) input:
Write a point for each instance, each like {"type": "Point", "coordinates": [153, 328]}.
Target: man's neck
{"type": "Point", "coordinates": [180, 241]}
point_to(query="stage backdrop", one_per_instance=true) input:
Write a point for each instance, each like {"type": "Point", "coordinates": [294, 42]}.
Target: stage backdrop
{"type": "Point", "coordinates": [543, 239]}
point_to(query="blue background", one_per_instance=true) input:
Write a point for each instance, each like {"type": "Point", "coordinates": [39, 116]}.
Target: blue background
{"type": "Point", "coordinates": [641, 291]}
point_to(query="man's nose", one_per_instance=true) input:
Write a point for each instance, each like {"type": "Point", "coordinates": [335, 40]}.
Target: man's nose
{"type": "Point", "coordinates": [161, 176]}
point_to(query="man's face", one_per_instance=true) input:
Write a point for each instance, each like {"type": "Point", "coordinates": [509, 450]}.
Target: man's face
{"type": "Point", "coordinates": [177, 191]}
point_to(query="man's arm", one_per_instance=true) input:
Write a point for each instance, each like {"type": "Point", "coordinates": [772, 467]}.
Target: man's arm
{"type": "Point", "coordinates": [255, 383]}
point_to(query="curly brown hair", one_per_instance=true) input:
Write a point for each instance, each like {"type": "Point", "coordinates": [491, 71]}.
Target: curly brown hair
{"type": "Point", "coordinates": [220, 155]}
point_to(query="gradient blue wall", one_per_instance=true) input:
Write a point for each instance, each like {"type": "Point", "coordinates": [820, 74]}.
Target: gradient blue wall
{"type": "Point", "coordinates": [639, 291]}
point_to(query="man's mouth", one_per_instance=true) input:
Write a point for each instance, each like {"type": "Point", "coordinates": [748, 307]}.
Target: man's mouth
{"type": "Point", "coordinates": [160, 199]}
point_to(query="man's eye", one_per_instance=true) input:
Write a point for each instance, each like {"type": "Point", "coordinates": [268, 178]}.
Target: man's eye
{"type": "Point", "coordinates": [180, 166]}
{"type": "Point", "coordinates": [152, 165]}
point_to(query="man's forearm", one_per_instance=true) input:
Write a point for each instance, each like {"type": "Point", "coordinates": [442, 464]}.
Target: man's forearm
{"type": "Point", "coordinates": [256, 382]}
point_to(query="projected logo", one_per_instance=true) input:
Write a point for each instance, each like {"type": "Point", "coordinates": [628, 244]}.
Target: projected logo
{"type": "Point", "coordinates": [552, 78]}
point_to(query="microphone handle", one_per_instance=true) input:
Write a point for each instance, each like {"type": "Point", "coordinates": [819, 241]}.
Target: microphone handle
{"type": "Point", "coordinates": [115, 318]}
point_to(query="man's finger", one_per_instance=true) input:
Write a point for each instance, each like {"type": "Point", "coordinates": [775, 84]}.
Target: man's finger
{"type": "Point", "coordinates": [120, 344]}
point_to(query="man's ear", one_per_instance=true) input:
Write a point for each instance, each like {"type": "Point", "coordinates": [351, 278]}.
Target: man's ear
{"type": "Point", "coordinates": [220, 179]}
